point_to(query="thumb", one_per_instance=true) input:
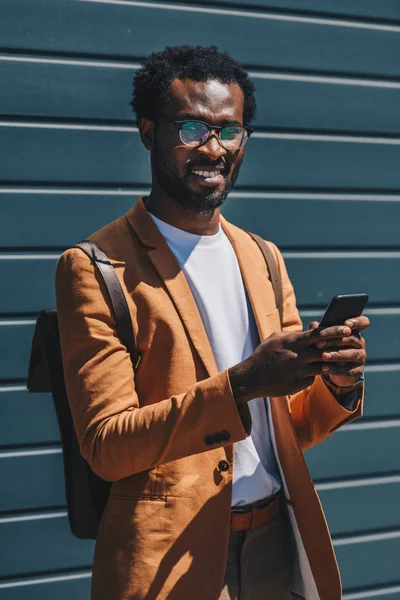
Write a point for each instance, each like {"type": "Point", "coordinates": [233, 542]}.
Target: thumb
{"type": "Point", "coordinates": [313, 325]}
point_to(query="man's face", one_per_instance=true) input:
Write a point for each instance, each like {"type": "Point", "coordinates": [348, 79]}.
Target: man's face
{"type": "Point", "coordinates": [199, 178]}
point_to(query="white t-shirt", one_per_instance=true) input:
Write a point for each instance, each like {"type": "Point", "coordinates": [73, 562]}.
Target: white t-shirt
{"type": "Point", "coordinates": [211, 268]}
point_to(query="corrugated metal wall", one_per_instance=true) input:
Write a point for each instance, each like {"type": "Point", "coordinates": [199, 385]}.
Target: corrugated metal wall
{"type": "Point", "coordinates": [321, 179]}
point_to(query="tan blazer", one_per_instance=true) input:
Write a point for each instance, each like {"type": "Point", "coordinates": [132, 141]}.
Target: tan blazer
{"type": "Point", "coordinates": [165, 529]}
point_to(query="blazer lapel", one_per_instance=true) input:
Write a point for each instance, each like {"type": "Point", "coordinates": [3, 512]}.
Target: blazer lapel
{"type": "Point", "coordinates": [255, 277]}
{"type": "Point", "coordinates": [174, 280]}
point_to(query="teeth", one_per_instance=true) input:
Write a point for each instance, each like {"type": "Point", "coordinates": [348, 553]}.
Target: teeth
{"type": "Point", "coordinates": [206, 173]}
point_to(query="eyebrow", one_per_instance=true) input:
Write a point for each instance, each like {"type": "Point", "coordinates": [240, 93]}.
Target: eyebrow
{"type": "Point", "coordinates": [194, 117]}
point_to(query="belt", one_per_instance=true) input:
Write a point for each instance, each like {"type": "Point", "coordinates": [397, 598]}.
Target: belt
{"type": "Point", "coordinates": [253, 517]}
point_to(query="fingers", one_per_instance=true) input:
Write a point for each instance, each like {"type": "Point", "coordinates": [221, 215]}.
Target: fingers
{"type": "Point", "coordinates": [352, 341]}
{"type": "Point", "coordinates": [345, 368]}
{"type": "Point", "coordinates": [356, 357]}
{"type": "Point", "coordinates": [349, 370]}
{"type": "Point", "coordinates": [311, 355]}
{"type": "Point", "coordinates": [313, 336]}
{"type": "Point", "coordinates": [358, 323]}
{"type": "Point", "coordinates": [328, 334]}
{"type": "Point", "coordinates": [348, 362]}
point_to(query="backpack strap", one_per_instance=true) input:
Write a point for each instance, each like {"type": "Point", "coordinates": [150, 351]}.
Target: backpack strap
{"type": "Point", "coordinates": [273, 269]}
{"type": "Point", "coordinates": [117, 297]}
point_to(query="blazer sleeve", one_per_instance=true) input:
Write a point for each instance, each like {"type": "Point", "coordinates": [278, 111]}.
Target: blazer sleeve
{"type": "Point", "coordinates": [118, 434]}
{"type": "Point", "coordinates": [315, 411]}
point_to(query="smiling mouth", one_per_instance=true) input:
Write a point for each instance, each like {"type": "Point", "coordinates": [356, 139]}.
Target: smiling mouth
{"type": "Point", "coordinates": [205, 173]}
{"type": "Point", "coordinates": [208, 178]}
{"type": "Point", "coordinates": [209, 175]}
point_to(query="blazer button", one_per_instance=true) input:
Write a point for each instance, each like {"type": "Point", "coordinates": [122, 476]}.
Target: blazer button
{"type": "Point", "coordinates": [223, 465]}
{"type": "Point", "coordinates": [209, 440]}
{"type": "Point", "coordinates": [225, 435]}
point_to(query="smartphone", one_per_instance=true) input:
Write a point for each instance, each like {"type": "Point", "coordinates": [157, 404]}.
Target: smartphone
{"type": "Point", "coordinates": [343, 307]}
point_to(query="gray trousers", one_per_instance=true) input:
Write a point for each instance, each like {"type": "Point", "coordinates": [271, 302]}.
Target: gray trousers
{"type": "Point", "coordinates": [260, 562]}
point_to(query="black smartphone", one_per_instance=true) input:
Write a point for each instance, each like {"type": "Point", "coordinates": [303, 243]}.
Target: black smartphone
{"type": "Point", "coordinates": [343, 307]}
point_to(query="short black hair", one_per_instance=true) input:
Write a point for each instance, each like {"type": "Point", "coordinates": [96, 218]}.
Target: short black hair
{"type": "Point", "coordinates": [152, 82]}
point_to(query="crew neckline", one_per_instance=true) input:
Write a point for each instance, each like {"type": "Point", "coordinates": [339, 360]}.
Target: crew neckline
{"type": "Point", "coordinates": [186, 236]}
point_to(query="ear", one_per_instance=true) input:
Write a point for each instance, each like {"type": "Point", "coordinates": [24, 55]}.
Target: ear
{"type": "Point", "coordinates": [146, 130]}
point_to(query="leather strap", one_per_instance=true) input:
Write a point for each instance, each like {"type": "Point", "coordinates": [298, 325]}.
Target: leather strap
{"type": "Point", "coordinates": [240, 521]}
{"type": "Point", "coordinates": [273, 269]}
{"type": "Point", "coordinates": [116, 294]}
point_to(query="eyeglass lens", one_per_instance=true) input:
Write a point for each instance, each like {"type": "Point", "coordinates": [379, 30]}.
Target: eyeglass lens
{"type": "Point", "coordinates": [231, 137]}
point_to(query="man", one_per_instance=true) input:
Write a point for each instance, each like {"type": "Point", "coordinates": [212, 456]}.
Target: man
{"type": "Point", "coordinates": [203, 441]}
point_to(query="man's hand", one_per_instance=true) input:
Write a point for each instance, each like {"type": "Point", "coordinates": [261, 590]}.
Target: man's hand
{"type": "Point", "coordinates": [345, 358]}
{"type": "Point", "coordinates": [285, 363]}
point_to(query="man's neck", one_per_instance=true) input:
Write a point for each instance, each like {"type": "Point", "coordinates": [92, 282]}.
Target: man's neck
{"type": "Point", "coordinates": [204, 223]}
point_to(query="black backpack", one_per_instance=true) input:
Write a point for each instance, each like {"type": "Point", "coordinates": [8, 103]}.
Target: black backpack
{"type": "Point", "coordinates": [86, 492]}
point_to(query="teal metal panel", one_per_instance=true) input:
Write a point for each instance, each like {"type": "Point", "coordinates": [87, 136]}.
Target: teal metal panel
{"type": "Point", "coordinates": [62, 218]}
{"type": "Point", "coordinates": [381, 398]}
{"type": "Point", "coordinates": [352, 505]}
{"type": "Point", "coordinates": [354, 452]}
{"type": "Point", "coordinates": [41, 544]}
{"type": "Point", "coordinates": [388, 9]}
{"type": "Point", "coordinates": [369, 562]}
{"type": "Point", "coordinates": [79, 90]}
{"type": "Point", "coordinates": [73, 155]}
{"type": "Point", "coordinates": [16, 338]}
{"type": "Point", "coordinates": [385, 593]}
{"type": "Point", "coordinates": [283, 101]}
{"type": "Point", "coordinates": [68, 155]}
{"type": "Point", "coordinates": [317, 277]}
{"type": "Point", "coordinates": [326, 104]}
{"type": "Point", "coordinates": [33, 480]}
{"type": "Point", "coordinates": [123, 30]}
{"type": "Point", "coordinates": [61, 586]}
{"type": "Point", "coordinates": [32, 282]}
{"type": "Point", "coordinates": [315, 220]}
{"type": "Point", "coordinates": [26, 418]}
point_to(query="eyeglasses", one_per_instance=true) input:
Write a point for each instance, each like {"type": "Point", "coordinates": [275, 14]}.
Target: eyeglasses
{"type": "Point", "coordinates": [195, 133]}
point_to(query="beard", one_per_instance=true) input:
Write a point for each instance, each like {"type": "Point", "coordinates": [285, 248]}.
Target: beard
{"type": "Point", "coordinates": [178, 187]}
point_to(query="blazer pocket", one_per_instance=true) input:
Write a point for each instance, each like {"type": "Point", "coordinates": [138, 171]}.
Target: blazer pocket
{"type": "Point", "coordinates": [133, 496]}
{"type": "Point", "coordinates": [146, 485]}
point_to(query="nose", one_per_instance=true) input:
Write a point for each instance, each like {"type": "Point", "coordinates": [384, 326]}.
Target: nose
{"type": "Point", "coordinates": [212, 149]}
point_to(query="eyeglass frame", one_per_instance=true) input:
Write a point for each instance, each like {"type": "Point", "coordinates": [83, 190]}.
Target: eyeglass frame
{"type": "Point", "coordinates": [216, 128]}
